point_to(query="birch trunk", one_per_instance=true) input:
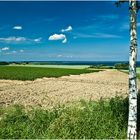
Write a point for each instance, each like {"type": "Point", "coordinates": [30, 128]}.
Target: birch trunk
{"type": "Point", "coordinates": [132, 118]}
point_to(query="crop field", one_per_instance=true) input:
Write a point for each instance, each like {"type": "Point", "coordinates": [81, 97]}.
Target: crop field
{"type": "Point", "coordinates": [32, 73]}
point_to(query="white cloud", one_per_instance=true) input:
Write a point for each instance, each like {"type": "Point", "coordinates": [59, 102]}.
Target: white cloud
{"type": "Point", "coordinates": [9, 53]}
{"type": "Point", "coordinates": [21, 51]}
{"type": "Point", "coordinates": [17, 27]}
{"type": "Point", "coordinates": [14, 51]}
{"type": "Point", "coordinates": [69, 28]}
{"type": "Point", "coordinates": [38, 39]}
{"type": "Point", "coordinates": [58, 37]}
{"type": "Point", "coordinates": [60, 55]}
{"type": "Point", "coordinates": [64, 41]}
{"type": "Point", "coordinates": [104, 35]}
{"type": "Point", "coordinates": [109, 17]}
{"type": "Point", "coordinates": [14, 39]}
{"type": "Point", "coordinates": [64, 56]}
{"type": "Point", "coordinates": [96, 35]}
{"type": "Point", "coordinates": [5, 49]}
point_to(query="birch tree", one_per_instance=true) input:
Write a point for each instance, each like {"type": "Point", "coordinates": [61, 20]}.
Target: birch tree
{"type": "Point", "coordinates": [134, 6]}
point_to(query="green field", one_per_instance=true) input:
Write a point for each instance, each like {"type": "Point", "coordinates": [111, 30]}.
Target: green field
{"type": "Point", "coordinates": [86, 120]}
{"type": "Point", "coordinates": [32, 73]}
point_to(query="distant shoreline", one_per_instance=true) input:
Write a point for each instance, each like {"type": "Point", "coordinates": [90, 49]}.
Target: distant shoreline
{"type": "Point", "coordinates": [107, 63]}
{"type": "Point", "coordinates": [73, 63]}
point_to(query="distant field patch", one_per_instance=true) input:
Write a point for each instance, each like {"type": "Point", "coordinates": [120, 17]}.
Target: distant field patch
{"type": "Point", "coordinates": [55, 66]}
{"type": "Point", "coordinates": [138, 70]}
{"type": "Point", "coordinates": [32, 73]}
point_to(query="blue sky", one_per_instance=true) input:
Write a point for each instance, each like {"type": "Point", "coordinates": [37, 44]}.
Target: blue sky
{"type": "Point", "coordinates": [81, 31]}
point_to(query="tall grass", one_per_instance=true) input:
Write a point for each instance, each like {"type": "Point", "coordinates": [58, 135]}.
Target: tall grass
{"type": "Point", "coordinates": [103, 119]}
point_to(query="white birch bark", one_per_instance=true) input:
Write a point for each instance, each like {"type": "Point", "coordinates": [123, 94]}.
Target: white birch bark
{"type": "Point", "coordinates": [132, 117]}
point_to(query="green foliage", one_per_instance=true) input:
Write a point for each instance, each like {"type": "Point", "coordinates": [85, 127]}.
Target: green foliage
{"type": "Point", "coordinates": [123, 66]}
{"type": "Point", "coordinates": [96, 120]}
{"type": "Point", "coordinates": [4, 63]}
{"type": "Point", "coordinates": [92, 120]}
{"type": "Point", "coordinates": [31, 73]}
{"type": "Point", "coordinates": [16, 123]}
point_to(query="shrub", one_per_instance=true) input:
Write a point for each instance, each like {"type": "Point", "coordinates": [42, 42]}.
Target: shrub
{"type": "Point", "coordinates": [123, 66]}
{"type": "Point", "coordinates": [4, 63]}
{"type": "Point", "coordinates": [101, 66]}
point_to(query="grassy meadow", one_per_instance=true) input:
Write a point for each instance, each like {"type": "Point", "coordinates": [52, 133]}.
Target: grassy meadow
{"type": "Point", "coordinates": [32, 73]}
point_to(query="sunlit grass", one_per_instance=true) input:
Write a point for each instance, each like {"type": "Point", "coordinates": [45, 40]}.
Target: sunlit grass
{"type": "Point", "coordinates": [103, 119]}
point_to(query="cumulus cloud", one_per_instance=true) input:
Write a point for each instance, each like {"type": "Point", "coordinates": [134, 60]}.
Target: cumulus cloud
{"type": "Point", "coordinates": [58, 37]}
{"type": "Point", "coordinates": [69, 28]}
{"type": "Point", "coordinates": [17, 27]}
{"type": "Point", "coordinates": [5, 49]}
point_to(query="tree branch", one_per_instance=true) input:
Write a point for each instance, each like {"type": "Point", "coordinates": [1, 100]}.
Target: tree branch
{"type": "Point", "coordinates": [118, 3]}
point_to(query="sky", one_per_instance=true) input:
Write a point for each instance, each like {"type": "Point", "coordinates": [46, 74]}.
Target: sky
{"type": "Point", "coordinates": [65, 31]}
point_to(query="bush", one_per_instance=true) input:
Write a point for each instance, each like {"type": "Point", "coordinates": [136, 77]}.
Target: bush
{"type": "Point", "coordinates": [4, 63]}
{"type": "Point", "coordinates": [101, 66]}
{"type": "Point", "coordinates": [123, 66]}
